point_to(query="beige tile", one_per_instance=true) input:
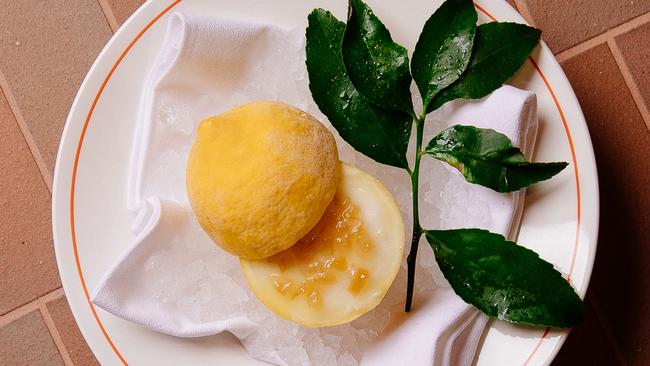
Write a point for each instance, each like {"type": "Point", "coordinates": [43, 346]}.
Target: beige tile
{"type": "Point", "coordinates": [27, 342]}
{"type": "Point", "coordinates": [635, 47]}
{"type": "Point", "coordinates": [27, 265]}
{"type": "Point", "coordinates": [72, 338]}
{"type": "Point", "coordinates": [122, 9]}
{"type": "Point", "coordinates": [566, 23]}
{"type": "Point", "coordinates": [46, 48]}
{"type": "Point", "coordinates": [621, 276]}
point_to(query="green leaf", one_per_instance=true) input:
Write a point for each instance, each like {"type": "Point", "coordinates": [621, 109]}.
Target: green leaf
{"type": "Point", "coordinates": [444, 48]}
{"type": "Point", "coordinates": [381, 134]}
{"type": "Point", "coordinates": [504, 280]}
{"type": "Point", "coordinates": [488, 158]}
{"type": "Point", "coordinates": [377, 66]}
{"type": "Point", "coordinates": [500, 49]}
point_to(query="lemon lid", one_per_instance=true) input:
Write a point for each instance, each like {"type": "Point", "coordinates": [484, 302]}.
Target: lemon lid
{"type": "Point", "coordinates": [260, 176]}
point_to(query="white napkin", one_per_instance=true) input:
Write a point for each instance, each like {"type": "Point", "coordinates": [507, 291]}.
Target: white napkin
{"type": "Point", "coordinates": [174, 280]}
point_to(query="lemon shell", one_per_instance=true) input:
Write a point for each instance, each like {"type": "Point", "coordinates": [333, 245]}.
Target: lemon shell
{"type": "Point", "coordinates": [383, 223]}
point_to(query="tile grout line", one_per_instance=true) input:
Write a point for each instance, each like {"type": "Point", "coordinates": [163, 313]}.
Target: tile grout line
{"type": "Point", "coordinates": [24, 309]}
{"type": "Point", "coordinates": [27, 135]}
{"type": "Point", "coordinates": [607, 331]}
{"type": "Point", "coordinates": [109, 15]}
{"type": "Point", "coordinates": [56, 336]}
{"type": "Point", "coordinates": [629, 81]}
{"type": "Point", "coordinates": [581, 47]}
{"type": "Point", "coordinates": [603, 37]}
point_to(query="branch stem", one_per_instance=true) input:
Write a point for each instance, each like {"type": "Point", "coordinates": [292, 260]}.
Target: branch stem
{"type": "Point", "coordinates": [417, 229]}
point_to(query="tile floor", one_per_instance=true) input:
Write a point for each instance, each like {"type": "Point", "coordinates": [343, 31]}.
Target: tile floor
{"type": "Point", "coordinates": [603, 45]}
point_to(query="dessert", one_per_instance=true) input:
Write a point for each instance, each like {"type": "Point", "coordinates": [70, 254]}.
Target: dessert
{"type": "Point", "coordinates": [320, 242]}
{"type": "Point", "coordinates": [260, 176]}
{"type": "Point", "coordinates": [344, 266]}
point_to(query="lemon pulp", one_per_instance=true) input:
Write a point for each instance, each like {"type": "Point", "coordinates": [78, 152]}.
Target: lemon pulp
{"type": "Point", "coordinates": [332, 251]}
{"type": "Point", "coordinates": [344, 266]}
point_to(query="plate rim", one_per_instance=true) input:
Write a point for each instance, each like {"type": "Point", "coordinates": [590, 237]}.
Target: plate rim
{"type": "Point", "coordinates": [58, 180]}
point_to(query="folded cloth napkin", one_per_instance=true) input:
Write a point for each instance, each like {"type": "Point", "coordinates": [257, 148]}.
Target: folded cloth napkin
{"type": "Point", "coordinates": [174, 280]}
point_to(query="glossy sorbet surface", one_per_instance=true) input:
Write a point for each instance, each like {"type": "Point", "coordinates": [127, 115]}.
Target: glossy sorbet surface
{"type": "Point", "coordinates": [343, 267]}
{"type": "Point", "coordinates": [333, 252]}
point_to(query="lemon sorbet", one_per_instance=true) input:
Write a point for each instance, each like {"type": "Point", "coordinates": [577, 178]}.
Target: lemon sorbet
{"type": "Point", "coordinates": [344, 266]}
{"type": "Point", "coordinates": [320, 242]}
{"type": "Point", "coordinates": [260, 176]}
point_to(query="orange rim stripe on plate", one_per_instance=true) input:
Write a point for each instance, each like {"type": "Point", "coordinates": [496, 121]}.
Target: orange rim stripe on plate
{"type": "Point", "coordinates": [76, 165]}
{"type": "Point", "coordinates": [575, 171]}
{"type": "Point", "coordinates": [112, 71]}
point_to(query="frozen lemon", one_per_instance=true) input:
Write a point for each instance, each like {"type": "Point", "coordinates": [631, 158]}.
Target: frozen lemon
{"type": "Point", "coordinates": [344, 266]}
{"type": "Point", "coordinates": [260, 176]}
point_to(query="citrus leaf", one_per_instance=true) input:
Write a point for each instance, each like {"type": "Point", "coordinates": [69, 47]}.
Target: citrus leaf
{"type": "Point", "coordinates": [378, 67]}
{"type": "Point", "coordinates": [504, 280]}
{"type": "Point", "coordinates": [444, 48]}
{"type": "Point", "coordinates": [379, 133]}
{"type": "Point", "coordinates": [500, 49]}
{"type": "Point", "coordinates": [488, 158]}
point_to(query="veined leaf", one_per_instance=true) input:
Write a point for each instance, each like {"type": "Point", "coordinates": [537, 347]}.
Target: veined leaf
{"type": "Point", "coordinates": [488, 158]}
{"type": "Point", "coordinates": [381, 134]}
{"type": "Point", "coordinates": [504, 280]}
{"type": "Point", "coordinates": [500, 49]}
{"type": "Point", "coordinates": [378, 67]}
{"type": "Point", "coordinates": [444, 48]}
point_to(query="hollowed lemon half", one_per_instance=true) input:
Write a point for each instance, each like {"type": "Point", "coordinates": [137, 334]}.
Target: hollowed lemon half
{"type": "Point", "coordinates": [344, 266]}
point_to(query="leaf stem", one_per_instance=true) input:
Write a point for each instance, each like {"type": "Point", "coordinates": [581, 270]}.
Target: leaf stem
{"type": "Point", "coordinates": [417, 229]}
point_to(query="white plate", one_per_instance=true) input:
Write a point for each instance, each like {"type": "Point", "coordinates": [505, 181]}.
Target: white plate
{"type": "Point", "coordinates": [92, 225]}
